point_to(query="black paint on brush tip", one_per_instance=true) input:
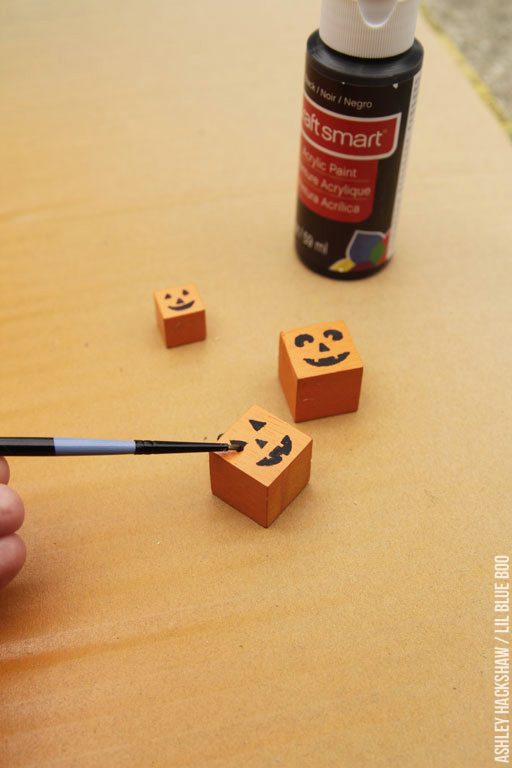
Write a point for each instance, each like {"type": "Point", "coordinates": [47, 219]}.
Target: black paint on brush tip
{"type": "Point", "coordinates": [237, 445]}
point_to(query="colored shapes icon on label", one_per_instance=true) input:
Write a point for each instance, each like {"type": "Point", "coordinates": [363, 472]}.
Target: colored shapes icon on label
{"type": "Point", "coordinates": [366, 247]}
{"type": "Point", "coordinates": [342, 265]}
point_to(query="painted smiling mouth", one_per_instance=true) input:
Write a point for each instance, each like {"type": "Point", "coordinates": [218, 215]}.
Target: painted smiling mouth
{"type": "Point", "coordinates": [332, 360]}
{"type": "Point", "coordinates": [276, 454]}
{"type": "Point", "coordinates": [181, 306]}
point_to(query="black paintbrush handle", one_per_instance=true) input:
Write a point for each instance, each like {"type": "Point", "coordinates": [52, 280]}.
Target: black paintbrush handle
{"type": "Point", "coordinates": [27, 446]}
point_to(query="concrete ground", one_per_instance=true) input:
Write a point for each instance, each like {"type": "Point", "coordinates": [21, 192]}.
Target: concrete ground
{"type": "Point", "coordinates": [483, 33]}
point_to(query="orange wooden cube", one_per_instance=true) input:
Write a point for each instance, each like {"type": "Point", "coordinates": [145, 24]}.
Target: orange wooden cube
{"type": "Point", "coordinates": [180, 315]}
{"type": "Point", "coordinates": [320, 370]}
{"type": "Point", "coordinates": [269, 473]}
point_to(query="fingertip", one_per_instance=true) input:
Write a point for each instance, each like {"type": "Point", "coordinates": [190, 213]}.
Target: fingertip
{"type": "Point", "coordinates": [12, 557]}
{"type": "Point", "coordinates": [12, 511]}
{"type": "Point", "coordinates": [4, 470]}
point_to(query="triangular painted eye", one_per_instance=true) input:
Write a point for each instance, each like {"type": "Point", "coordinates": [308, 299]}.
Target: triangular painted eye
{"type": "Point", "coordinates": [168, 296]}
{"type": "Point", "coordinates": [184, 292]}
{"type": "Point", "coordinates": [261, 443]}
{"type": "Point", "coordinates": [257, 425]}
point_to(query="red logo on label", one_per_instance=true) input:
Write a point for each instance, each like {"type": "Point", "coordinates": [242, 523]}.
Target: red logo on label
{"type": "Point", "coordinates": [369, 138]}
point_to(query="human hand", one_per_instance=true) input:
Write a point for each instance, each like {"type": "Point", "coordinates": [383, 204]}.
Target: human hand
{"type": "Point", "coordinates": [12, 513]}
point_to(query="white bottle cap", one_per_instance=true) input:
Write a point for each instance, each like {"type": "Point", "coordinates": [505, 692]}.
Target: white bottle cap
{"type": "Point", "coordinates": [369, 29]}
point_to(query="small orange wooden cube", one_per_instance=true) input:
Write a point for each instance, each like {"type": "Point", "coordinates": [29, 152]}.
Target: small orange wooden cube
{"type": "Point", "coordinates": [269, 473]}
{"type": "Point", "coordinates": [180, 315]}
{"type": "Point", "coordinates": [320, 370]}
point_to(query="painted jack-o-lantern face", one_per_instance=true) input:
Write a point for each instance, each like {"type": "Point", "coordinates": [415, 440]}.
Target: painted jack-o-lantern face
{"type": "Point", "coordinates": [320, 370]}
{"type": "Point", "coordinates": [276, 453]}
{"type": "Point", "coordinates": [314, 351]}
{"type": "Point", "coordinates": [272, 469]}
{"type": "Point", "coordinates": [180, 315]}
{"type": "Point", "coordinates": [324, 348]}
{"type": "Point", "coordinates": [271, 445]}
{"type": "Point", "coordinates": [179, 300]}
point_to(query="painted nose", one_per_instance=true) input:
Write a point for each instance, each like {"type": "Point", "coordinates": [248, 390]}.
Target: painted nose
{"type": "Point", "coordinates": [323, 348]}
{"type": "Point", "coordinates": [179, 301]}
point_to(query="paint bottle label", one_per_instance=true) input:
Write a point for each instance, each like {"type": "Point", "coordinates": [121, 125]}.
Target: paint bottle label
{"type": "Point", "coordinates": [353, 153]}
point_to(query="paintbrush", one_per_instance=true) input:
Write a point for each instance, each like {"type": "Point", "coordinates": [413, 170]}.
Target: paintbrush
{"type": "Point", "coordinates": [70, 446]}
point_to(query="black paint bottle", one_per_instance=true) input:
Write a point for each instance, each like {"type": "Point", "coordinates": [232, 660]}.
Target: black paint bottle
{"type": "Point", "coordinates": [360, 88]}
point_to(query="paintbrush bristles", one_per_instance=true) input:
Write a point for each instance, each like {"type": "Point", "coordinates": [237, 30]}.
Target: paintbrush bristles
{"type": "Point", "coordinates": [237, 445]}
